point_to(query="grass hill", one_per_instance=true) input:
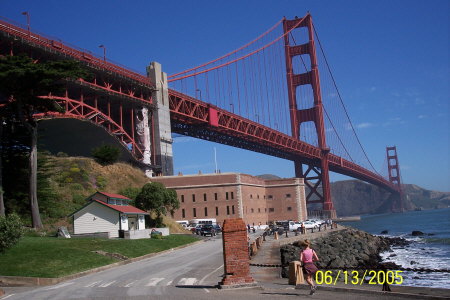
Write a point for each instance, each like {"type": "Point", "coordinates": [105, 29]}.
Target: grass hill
{"type": "Point", "coordinates": [72, 179]}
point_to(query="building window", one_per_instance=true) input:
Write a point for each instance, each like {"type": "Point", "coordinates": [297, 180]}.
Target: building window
{"type": "Point", "coordinates": [194, 212]}
{"type": "Point", "coordinates": [112, 201]}
{"type": "Point", "coordinates": [215, 196]}
{"type": "Point", "coordinates": [206, 211]}
{"type": "Point", "coordinates": [251, 210]}
{"type": "Point", "coordinates": [226, 196]}
{"type": "Point", "coordinates": [289, 208]}
{"type": "Point", "coordinates": [193, 197]}
{"type": "Point", "coordinates": [258, 196]}
{"type": "Point", "coordinates": [288, 195]}
{"type": "Point", "coordinates": [270, 196]}
{"type": "Point", "coordinates": [259, 210]}
{"type": "Point", "coordinates": [271, 209]}
{"type": "Point", "coordinates": [228, 210]}
{"type": "Point", "coordinates": [251, 196]}
{"type": "Point", "coordinates": [183, 213]}
{"type": "Point", "coordinates": [232, 209]}
{"type": "Point", "coordinates": [182, 198]}
{"type": "Point", "coordinates": [217, 211]}
{"type": "Point", "coordinates": [232, 195]}
{"type": "Point", "coordinates": [265, 209]}
{"type": "Point", "coordinates": [204, 197]}
{"type": "Point", "coordinates": [264, 197]}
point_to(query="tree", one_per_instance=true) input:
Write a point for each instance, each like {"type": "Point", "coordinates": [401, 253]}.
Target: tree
{"type": "Point", "coordinates": [154, 197]}
{"type": "Point", "coordinates": [22, 81]}
{"type": "Point", "coordinates": [106, 154]}
{"type": "Point", "coordinates": [11, 230]}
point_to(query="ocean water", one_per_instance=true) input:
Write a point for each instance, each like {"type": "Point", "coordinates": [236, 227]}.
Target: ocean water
{"type": "Point", "coordinates": [429, 251]}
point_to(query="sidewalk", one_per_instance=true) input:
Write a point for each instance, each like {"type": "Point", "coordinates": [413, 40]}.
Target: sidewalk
{"type": "Point", "coordinates": [269, 278]}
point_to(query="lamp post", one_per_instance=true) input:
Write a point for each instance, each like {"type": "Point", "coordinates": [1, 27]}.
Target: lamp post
{"type": "Point", "coordinates": [104, 51]}
{"type": "Point", "coordinates": [25, 13]}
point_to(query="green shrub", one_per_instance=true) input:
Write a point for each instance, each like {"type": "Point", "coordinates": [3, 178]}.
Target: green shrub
{"type": "Point", "coordinates": [101, 182]}
{"type": "Point", "coordinates": [106, 154]}
{"type": "Point", "coordinates": [11, 230]}
{"type": "Point", "coordinates": [61, 154]}
{"type": "Point", "coordinates": [76, 187]}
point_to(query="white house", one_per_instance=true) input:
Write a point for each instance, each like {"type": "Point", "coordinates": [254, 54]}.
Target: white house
{"type": "Point", "coordinates": [109, 213]}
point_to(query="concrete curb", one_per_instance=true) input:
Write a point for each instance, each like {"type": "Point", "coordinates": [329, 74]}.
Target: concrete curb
{"type": "Point", "coordinates": [372, 292]}
{"type": "Point", "coordinates": [42, 281]}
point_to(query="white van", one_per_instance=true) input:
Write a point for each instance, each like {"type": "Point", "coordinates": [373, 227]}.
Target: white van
{"type": "Point", "coordinates": [183, 223]}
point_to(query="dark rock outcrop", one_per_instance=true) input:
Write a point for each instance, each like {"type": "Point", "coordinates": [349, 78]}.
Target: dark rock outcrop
{"type": "Point", "coordinates": [345, 249]}
{"type": "Point", "coordinates": [417, 233]}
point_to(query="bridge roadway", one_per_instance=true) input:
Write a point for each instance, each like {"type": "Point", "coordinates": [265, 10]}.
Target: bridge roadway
{"type": "Point", "coordinates": [190, 116]}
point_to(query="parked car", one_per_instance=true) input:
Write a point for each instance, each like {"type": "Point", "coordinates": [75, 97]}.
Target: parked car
{"type": "Point", "coordinates": [310, 224]}
{"type": "Point", "coordinates": [217, 228]}
{"type": "Point", "coordinates": [197, 229]}
{"type": "Point", "coordinates": [208, 230]}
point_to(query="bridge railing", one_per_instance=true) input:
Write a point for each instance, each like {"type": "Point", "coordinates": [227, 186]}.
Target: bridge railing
{"type": "Point", "coordinates": [8, 27]}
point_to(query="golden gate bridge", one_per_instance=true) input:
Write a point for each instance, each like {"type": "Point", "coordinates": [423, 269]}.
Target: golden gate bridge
{"type": "Point", "coordinates": [275, 95]}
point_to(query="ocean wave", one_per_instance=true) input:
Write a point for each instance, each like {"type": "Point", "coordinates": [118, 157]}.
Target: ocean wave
{"type": "Point", "coordinates": [444, 241]}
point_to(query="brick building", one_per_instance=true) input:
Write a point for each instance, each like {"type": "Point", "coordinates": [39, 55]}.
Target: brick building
{"type": "Point", "coordinates": [235, 195]}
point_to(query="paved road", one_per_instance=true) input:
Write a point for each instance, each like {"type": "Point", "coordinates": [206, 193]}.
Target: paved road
{"type": "Point", "coordinates": [188, 273]}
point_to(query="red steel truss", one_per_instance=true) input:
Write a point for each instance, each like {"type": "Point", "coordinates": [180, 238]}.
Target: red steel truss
{"type": "Point", "coordinates": [78, 109]}
{"type": "Point", "coordinates": [394, 177]}
{"type": "Point", "coordinates": [198, 117]}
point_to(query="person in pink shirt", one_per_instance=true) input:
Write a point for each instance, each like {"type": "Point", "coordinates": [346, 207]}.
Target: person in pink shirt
{"type": "Point", "coordinates": [307, 257]}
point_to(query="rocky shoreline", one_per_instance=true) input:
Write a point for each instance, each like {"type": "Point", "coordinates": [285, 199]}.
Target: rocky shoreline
{"type": "Point", "coordinates": [345, 249]}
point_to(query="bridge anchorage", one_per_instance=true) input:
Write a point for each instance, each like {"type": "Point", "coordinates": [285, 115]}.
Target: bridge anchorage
{"type": "Point", "coordinates": [238, 99]}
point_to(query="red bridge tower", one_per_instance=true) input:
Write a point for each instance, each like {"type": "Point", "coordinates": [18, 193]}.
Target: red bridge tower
{"type": "Point", "coordinates": [316, 176]}
{"type": "Point", "coordinates": [394, 177]}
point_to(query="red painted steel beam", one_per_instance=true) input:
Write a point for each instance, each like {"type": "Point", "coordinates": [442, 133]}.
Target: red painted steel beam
{"type": "Point", "coordinates": [78, 54]}
{"type": "Point", "coordinates": [189, 110]}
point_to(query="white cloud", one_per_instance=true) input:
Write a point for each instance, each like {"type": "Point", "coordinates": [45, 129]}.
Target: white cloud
{"type": "Point", "coordinates": [422, 116]}
{"type": "Point", "coordinates": [373, 89]}
{"type": "Point", "coordinates": [364, 125]}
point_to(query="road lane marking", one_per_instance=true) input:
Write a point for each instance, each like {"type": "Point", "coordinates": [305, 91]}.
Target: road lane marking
{"type": "Point", "coordinates": [131, 283]}
{"type": "Point", "coordinates": [57, 286]}
{"type": "Point", "coordinates": [92, 284]}
{"type": "Point", "coordinates": [154, 281]}
{"type": "Point", "coordinates": [206, 290]}
{"type": "Point", "coordinates": [107, 284]}
{"type": "Point", "coordinates": [169, 283]}
{"type": "Point", "coordinates": [187, 281]}
{"type": "Point", "coordinates": [8, 296]}
{"type": "Point", "coordinates": [209, 274]}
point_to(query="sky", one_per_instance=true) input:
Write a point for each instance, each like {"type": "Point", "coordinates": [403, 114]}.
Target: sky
{"type": "Point", "coordinates": [390, 60]}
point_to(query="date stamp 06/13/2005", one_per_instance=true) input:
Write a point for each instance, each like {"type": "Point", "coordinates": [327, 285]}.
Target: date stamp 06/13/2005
{"type": "Point", "coordinates": [357, 278]}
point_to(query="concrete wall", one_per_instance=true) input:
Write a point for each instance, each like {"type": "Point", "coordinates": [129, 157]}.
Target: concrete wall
{"type": "Point", "coordinates": [96, 217]}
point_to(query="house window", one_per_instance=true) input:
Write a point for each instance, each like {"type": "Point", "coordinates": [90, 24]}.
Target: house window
{"type": "Point", "coordinates": [265, 209]}
{"type": "Point", "coordinates": [251, 210]}
{"type": "Point", "coordinates": [288, 195]}
{"type": "Point", "coordinates": [258, 196]}
{"type": "Point", "coordinates": [112, 201]}
{"type": "Point", "coordinates": [215, 196]}
{"type": "Point", "coordinates": [289, 208]}
{"type": "Point", "coordinates": [194, 212]}
{"type": "Point", "coordinates": [217, 211]}
{"type": "Point", "coordinates": [182, 198]}
{"type": "Point", "coordinates": [206, 211]}
{"type": "Point", "coordinates": [183, 213]}
{"type": "Point", "coordinates": [270, 196]}
{"type": "Point", "coordinates": [228, 210]}
{"type": "Point", "coordinates": [271, 209]}
{"type": "Point", "coordinates": [232, 209]}
{"type": "Point", "coordinates": [204, 197]}
{"type": "Point", "coordinates": [193, 197]}
{"type": "Point", "coordinates": [251, 196]}
{"type": "Point", "coordinates": [226, 195]}
{"type": "Point", "coordinates": [232, 195]}
{"type": "Point", "coordinates": [259, 210]}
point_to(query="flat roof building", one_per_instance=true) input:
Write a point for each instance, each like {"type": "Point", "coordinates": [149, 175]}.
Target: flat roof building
{"type": "Point", "coordinates": [236, 195]}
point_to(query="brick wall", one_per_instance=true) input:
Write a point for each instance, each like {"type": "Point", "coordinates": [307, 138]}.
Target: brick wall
{"type": "Point", "coordinates": [235, 253]}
